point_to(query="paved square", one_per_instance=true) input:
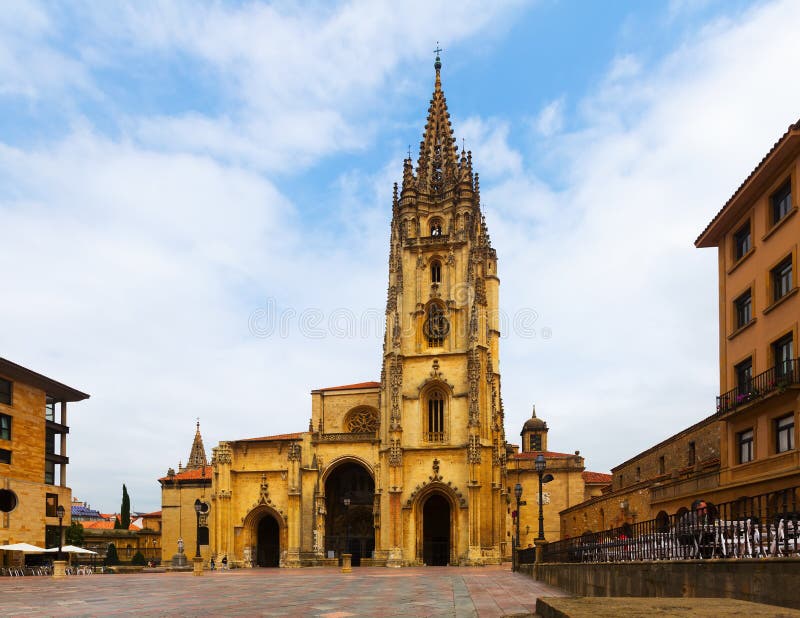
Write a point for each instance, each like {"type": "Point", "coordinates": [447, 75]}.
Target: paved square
{"type": "Point", "coordinates": [424, 591]}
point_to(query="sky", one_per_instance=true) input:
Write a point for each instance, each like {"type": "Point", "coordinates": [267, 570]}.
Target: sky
{"type": "Point", "coordinates": [195, 202]}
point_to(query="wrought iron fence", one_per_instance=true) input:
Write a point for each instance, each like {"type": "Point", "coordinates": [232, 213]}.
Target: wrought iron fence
{"type": "Point", "coordinates": [778, 377]}
{"type": "Point", "coordinates": [763, 526]}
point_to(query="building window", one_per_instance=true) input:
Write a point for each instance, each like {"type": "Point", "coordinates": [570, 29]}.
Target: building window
{"type": "Point", "coordinates": [784, 434]}
{"type": "Point", "coordinates": [662, 465]}
{"type": "Point", "coordinates": [692, 457]}
{"type": "Point", "coordinates": [8, 500]}
{"type": "Point", "coordinates": [638, 474]}
{"type": "Point", "coordinates": [781, 202]}
{"type": "Point", "coordinates": [5, 456]}
{"type": "Point", "coordinates": [435, 428]}
{"type": "Point", "coordinates": [5, 392]}
{"type": "Point", "coordinates": [535, 442]}
{"type": "Point", "coordinates": [744, 440]}
{"type": "Point", "coordinates": [436, 326]}
{"type": "Point", "coordinates": [744, 375]}
{"type": "Point", "coordinates": [50, 409]}
{"type": "Point", "coordinates": [436, 271]}
{"type": "Point", "coordinates": [744, 309]}
{"type": "Point", "coordinates": [5, 427]}
{"type": "Point", "coordinates": [51, 505]}
{"type": "Point", "coordinates": [49, 473]}
{"type": "Point", "coordinates": [50, 442]}
{"type": "Point", "coordinates": [782, 279]}
{"type": "Point", "coordinates": [783, 355]}
{"type": "Point", "coordinates": [436, 227]}
{"type": "Point", "coordinates": [742, 242]}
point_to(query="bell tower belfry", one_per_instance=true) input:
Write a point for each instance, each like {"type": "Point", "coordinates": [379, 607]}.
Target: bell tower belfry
{"type": "Point", "coordinates": [442, 457]}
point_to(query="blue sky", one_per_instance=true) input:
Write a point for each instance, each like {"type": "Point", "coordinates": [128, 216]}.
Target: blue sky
{"type": "Point", "coordinates": [170, 170]}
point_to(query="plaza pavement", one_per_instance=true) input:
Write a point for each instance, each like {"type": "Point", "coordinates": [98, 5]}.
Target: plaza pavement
{"type": "Point", "coordinates": [367, 591]}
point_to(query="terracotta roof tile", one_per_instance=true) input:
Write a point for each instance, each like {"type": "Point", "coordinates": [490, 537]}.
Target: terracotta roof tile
{"type": "Point", "coordinates": [189, 475]}
{"type": "Point", "coordinates": [547, 454]}
{"type": "Point", "coordinates": [351, 386]}
{"type": "Point", "coordinates": [596, 477]}
{"type": "Point", "coordinates": [103, 525]}
{"type": "Point", "coordinates": [775, 146]}
{"type": "Point", "coordinates": [153, 514]}
{"type": "Point", "coordinates": [280, 436]}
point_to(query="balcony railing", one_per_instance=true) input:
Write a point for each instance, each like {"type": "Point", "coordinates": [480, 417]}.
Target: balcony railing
{"type": "Point", "coordinates": [762, 526]}
{"type": "Point", "coordinates": [777, 378]}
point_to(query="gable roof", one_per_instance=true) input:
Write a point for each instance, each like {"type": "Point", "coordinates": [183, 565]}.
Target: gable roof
{"type": "Point", "coordinates": [349, 386]}
{"type": "Point", "coordinates": [596, 477]}
{"type": "Point", "coordinates": [774, 158]}
{"type": "Point", "coordinates": [280, 436]}
{"type": "Point", "coordinates": [190, 475]}
{"type": "Point", "coordinates": [55, 389]}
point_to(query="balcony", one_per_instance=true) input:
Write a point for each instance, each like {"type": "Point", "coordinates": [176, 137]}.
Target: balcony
{"type": "Point", "coordinates": [778, 378]}
{"type": "Point", "coordinates": [370, 436]}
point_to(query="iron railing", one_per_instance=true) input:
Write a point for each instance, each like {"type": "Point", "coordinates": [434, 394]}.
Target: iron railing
{"type": "Point", "coordinates": [777, 378]}
{"type": "Point", "coordinates": [763, 526]}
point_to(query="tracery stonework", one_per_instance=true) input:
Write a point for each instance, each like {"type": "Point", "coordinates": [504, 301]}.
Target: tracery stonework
{"type": "Point", "coordinates": [284, 506]}
{"type": "Point", "coordinates": [362, 420]}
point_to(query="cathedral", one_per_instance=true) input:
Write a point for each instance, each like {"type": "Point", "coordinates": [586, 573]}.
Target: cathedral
{"type": "Point", "coordinates": [410, 470]}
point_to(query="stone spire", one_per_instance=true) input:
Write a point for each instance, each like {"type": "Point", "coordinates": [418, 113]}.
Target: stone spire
{"type": "Point", "coordinates": [437, 166]}
{"type": "Point", "coordinates": [197, 457]}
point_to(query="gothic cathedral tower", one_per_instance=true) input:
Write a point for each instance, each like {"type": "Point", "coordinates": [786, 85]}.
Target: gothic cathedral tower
{"type": "Point", "coordinates": [442, 459]}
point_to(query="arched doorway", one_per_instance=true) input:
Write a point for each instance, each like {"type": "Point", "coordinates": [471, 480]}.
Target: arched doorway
{"type": "Point", "coordinates": [349, 524]}
{"type": "Point", "coordinates": [436, 531]}
{"type": "Point", "coordinates": [268, 546]}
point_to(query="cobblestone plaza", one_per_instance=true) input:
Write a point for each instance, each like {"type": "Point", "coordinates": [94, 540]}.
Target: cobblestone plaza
{"type": "Point", "coordinates": [422, 591]}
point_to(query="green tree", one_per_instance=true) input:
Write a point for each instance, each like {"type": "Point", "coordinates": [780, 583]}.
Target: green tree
{"type": "Point", "coordinates": [138, 559]}
{"type": "Point", "coordinates": [123, 522]}
{"type": "Point", "coordinates": [125, 510]}
{"type": "Point", "coordinates": [112, 558]}
{"type": "Point", "coordinates": [74, 534]}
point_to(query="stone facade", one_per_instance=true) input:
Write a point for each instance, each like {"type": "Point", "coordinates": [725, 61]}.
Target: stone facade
{"type": "Point", "coordinates": [409, 470]}
{"type": "Point", "coordinates": [33, 438]}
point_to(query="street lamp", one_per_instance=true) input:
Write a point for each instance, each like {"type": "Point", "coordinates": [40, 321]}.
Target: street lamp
{"type": "Point", "coordinates": [540, 464]}
{"type": "Point", "coordinates": [518, 496]}
{"type": "Point", "coordinates": [347, 529]}
{"type": "Point", "coordinates": [60, 513]}
{"type": "Point", "coordinates": [198, 507]}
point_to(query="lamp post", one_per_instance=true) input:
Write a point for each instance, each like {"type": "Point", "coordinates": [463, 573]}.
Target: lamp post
{"type": "Point", "coordinates": [198, 506]}
{"type": "Point", "coordinates": [518, 496]}
{"type": "Point", "coordinates": [346, 556]}
{"type": "Point", "coordinates": [347, 529]}
{"type": "Point", "coordinates": [540, 465]}
{"type": "Point", "coordinates": [60, 513]}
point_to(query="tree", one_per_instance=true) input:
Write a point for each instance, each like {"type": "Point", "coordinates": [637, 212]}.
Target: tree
{"type": "Point", "coordinates": [125, 510]}
{"type": "Point", "coordinates": [112, 558]}
{"type": "Point", "coordinates": [74, 534]}
{"type": "Point", "coordinates": [138, 559]}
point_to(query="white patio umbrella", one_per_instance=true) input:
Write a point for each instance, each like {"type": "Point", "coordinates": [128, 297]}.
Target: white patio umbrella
{"type": "Point", "coordinates": [70, 549]}
{"type": "Point", "coordinates": [26, 548]}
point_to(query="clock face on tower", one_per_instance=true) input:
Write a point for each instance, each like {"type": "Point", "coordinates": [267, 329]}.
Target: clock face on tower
{"type": "Point", "coordinates": [436, 325]}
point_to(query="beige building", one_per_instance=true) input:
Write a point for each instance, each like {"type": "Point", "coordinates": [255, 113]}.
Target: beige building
{"type": "Point", "coordinates": [572, 484]}
{"type": "Point", "coordinates": [409, 470]}
{"type": "Point", "coordinates": [746, 452]}
{"type": "Point", "coordinates": [33, 455]}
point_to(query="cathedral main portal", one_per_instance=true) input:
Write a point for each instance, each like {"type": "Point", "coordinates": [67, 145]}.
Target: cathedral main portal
{"type": "Point", "coordinates": [268, 548]}
{"type": "Point", "coordinates": [436, 531]}
{"type": "Point", "coordinates": [349, 525]}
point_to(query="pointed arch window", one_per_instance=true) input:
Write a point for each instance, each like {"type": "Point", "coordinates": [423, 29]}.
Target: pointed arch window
{"type": "Point", "coordinates": [436, 326]}
{"type": "Point", "coordinates": [436, 227]}
{"type": "Point", "coordinates": [436, 271]}
{"type": "Point", "coordinates": [434, 425]}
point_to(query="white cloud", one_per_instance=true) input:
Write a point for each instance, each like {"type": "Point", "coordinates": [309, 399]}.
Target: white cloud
{"type": "Point", "coordinates": [550, 119]}
{"type": "Point", "coordinates": [608, 260]}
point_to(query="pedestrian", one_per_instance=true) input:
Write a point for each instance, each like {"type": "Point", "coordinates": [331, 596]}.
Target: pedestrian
{"type": "Point", "coordinates": [212, 564]}
{"type": "Point", "coordinates": [225, 563]}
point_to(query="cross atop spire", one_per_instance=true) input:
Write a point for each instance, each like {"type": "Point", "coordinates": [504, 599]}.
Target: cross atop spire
{"type": "Point", "coordinates": [197, 456]}
{"type": "Point", "coordinates": [437, 167]}
{"type": "Point", "coordinates": [438, 62]}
